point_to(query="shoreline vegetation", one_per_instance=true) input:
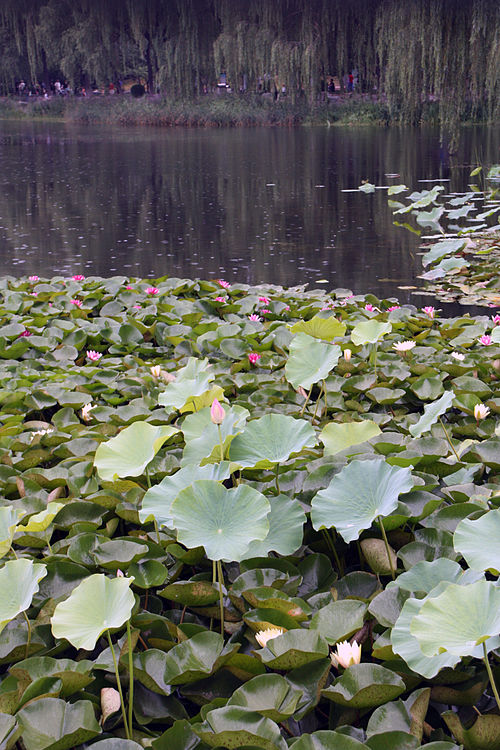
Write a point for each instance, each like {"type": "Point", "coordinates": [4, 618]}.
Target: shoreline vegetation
{"type": "Point", "coordinates": [225, 110]}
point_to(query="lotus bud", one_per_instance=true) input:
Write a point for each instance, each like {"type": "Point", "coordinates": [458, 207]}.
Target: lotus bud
{"type": "Point", "coordinates": [346, 654]}
{"type": "Point", "coordinates": [347, 355]}
{"type": "Point", "coordinates": [263, 636]}
{"type": "Point", "coordinates": [302, 391]}
{"type": "Point", "coordinates": [119, 573]}
{"type": "Point", "coordinates": [110, 702]}
{"type": "Point", "coordinates": [217, 413]}
{"type": "Point", "coordinates": [156, 371]}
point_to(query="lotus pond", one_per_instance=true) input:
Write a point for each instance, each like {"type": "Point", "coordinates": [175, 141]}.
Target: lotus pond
{"type": "Point", "coordinates": [206, 488]}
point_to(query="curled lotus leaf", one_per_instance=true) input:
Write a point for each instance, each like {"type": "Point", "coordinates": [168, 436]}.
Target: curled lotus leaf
{"type": "Point", "coordinates": [19, 581]}
{"type": "Point", "coordinates": [310, 360]}
{"type": "Point", "coordinates": [369, 332]}
{"type": "Point", "coordinates": [9, 519]}
{"type": "Point", "coordinates": [477, 541]}
{"type": "Point", "coordinates": [365, 686]}
{"type": "Point", "coordinates": [431, 414]}
{"type": "Point", "coordinates": [128, 453]}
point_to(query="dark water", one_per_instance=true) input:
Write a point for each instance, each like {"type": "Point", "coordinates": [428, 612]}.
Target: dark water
{"type": "Point", "coordinates": [249, 205]}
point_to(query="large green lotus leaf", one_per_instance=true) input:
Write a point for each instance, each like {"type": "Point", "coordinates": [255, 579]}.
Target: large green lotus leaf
{"type": "Point", "coordinates": [235, 727]}
{"type": "Point", "coordinates": [459, 619]}
{"type": "Point", "coordinates": [9, 519]}
{"type": "Point", "coordinates": [202, 436]}
{"type": "Point", "coordinates": [53, 724]}
{"type": "Point", "coordinates": [74, 675]}
{"type": "Point", "coordinates": [337, 436]}
{"type": "Point", "coordinates": [268, 694]}
{"type": "Point", "coordinates": [41, 521]}
{"type": "Point", "coordinates": [355, 497]}
{"type": "Point", "coordinates": [293, 649]}
{"type": "Point", "coordinates": [224, 522]}
{"type": "Point", "coordinates": [431, 414]}
{"type": "Point", "coordinates": [18, 583]}
{"type": "Point", "coordinates": [310, 360]}
{"type": "Point", "coordinates": [128, 454]}
{"type": "Point", "coordinates": [369, 332]}
{"type": "Point", "coordinates": [157, 501]}
{"type": "Point", "coordinates": [440, 249]}
{"type": "Point", "coordinates": [425, 576]}
{"type": "Point", "coordinates": [118, 553]}
{"type": "Point", "coordinates": [339, 620]}
{"type": "Point", "coordinates": [270, 440]}
{"type": "Point", "coordinates": [326, 739]}
{"type": "Point", "coordinates": [320, 328]}
{"type": "Point", "coordinates": [365, 686]}
{"type": "Point", "coordinates": [286, 521]}
{"type": "Point", "coordinates": [96, 604]}
{"type": "Point", "coordinates": [477, 541]}
{"type": "Point", "coordinates": [191, 380]}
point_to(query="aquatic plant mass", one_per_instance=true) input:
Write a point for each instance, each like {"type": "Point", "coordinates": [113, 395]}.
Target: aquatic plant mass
{"type": "Point", "coordinates": [237, 516]}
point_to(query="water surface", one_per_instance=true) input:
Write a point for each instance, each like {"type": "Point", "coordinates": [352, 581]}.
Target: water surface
{"type": "Point", "coordinates": [251, 205]}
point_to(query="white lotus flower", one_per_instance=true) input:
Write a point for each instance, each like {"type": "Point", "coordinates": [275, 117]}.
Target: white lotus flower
{"type": "Point", "coordinates": [404, 346]}
{"type": "Point", "coordinates": [458, 356]}
{"type": "Point", "coordinates": [42, 432]}
{"type": "Point", "coordinates": [263, 636]}
{"type": "Point", "coordinates": [156, 371]}
{"type": "Point", "coordinates": [346, 654]}
{"type": "Point", "coordinates": [347, 354]}
{"type": "Point", "coordinates": [86, 411]}
{"type": "Point", "coordinates": [481, 411]}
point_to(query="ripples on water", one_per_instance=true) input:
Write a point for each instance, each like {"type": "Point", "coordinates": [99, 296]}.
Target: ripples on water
{"type": "Point", "coordinates": [252, 205]}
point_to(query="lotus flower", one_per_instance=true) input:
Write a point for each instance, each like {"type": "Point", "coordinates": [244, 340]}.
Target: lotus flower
{"type": "Point", "coordinates": [34, 278]}
{"type": "Point", "coordinates": [152, 290]}
{"type": "Point", "coordinates": [404, 346]}
{"type": "Point", "coordinates": [41, 432]}
{"type": "Point", "coordinates": [221, 299]}
{"type": "Point", "coordinates": [481, 411]}
{"type": "Point", "coordinates": [496, 320]}
{"type": "Point", "coordinates": [430, 311]}
{"type": "Point", "coordinates": [78, 277]}
{"type": "Point", "coordinates": [222, 283]}
{"type": "Point", "coordinates": [254, 318]}
{"type": "Point", "coordinates": [264, 311]}
{"type": "Point", "coordinates": [253, 358]}
{"type": "Point", "coordinates": [93, 355]}
{"type": "Point", "coordinates": [347, 355]}
{"type": "Point", "coordinates": [25, 333]}
{"type": "Point", "coordinates": [265, 300]}
{"type": "Point", "coordinates": [394, 307]}
{"type": "Point", "coordinates": [217, 412]}
{"type": "Point", "coordinates": [263, 636]}
{"type": "Point", "coordinates": [458, 356]}
{"type": "Point", "coordinates": [77, 302]}
{"type": "Point", "coordinates": [156, 371]}
{"type": "Point", "coordinates": [369, 308]}
{"type": "Point", "coordinates": [346, 654]}
{"type": "Point", "coordinates": [86, 412]}
{"type": "Point", "coordinates": [485, 340]}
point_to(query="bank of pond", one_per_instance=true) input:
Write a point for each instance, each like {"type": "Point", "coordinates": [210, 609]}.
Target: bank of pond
{"type": "Point", "coordinates": [238, 516]}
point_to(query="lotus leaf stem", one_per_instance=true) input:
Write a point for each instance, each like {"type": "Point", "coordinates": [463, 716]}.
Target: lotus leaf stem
{"type": "Point", "coordinates": [28, 642]}
{"type": "Point", "coordinates": [324, 396]}
{"type": "Point", "coordinates": [119, 685]}
{"type": "Point", "coordinates": [387, 548]}
{"type": "Point", "coordinates": [330, 543]}
{"type": "Point", "coordinates": [148, 480]}
{"type": "Point", "coordinates": [306, 401]}
{"type": "Point", "coordinates": [448, 439]}
{"type": "Point", "coordinates": [221, 443]}
{"type": "Point", "coordinates": [130, 676]}
{"type": "Point", "coordinates": [490, 675]}
{"type": "Point", "coordinates": [374, 357]}
{"type": "Point", "coordinates": [317, 402]}
{"type": "Point", "coordinates": [277, 473]}
{"type": "Point", "coordinates": [155, 523]}
{"type": "Point", "coordinates": [221, 598]}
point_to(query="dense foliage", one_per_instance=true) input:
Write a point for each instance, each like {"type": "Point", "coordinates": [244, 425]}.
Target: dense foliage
{"type": "Point", "coordinates": [347, 488]}
{"type": "Point", "coordinates": [406, 51]}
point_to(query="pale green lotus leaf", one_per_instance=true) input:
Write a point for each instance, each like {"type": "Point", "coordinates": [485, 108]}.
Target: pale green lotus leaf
{"type": "Point", "coordinates": [431, 414]}
{"type": "Point", "coordinates": [459, 619]}
{"type": "Point", "coordinates": [369, 332]}
{"type": "Point", "coordinates": [19, 581]}
{"type": "Point", "coordinates": [355, 497]}
{"type": "Point", "coordinates": [478, 541]}
{"type": "Point", "coordinates": [95, 605]}
{"type": "Point", "coordinates": [192, 380]}
{"type": "Point", "coordinates": [270, 440]}
{"type": "Point", "coordinates": [41, 521]}
{"type": "Point", "coordinates": [9, 519]}
{"type": "Point", "coordinates": [320, 328]}
{"type": "Point", "coordinates": [286, 521]}
{"type": "Point", "coordinates": [157, 501]}
{"type": "Point", "coordinates": [128, 453]}
{"type": "Point", "coordinates": [310, 360]}
{"type": "Point", "coordinates": [201, 435]}
{"type": "Point", "coordinates": [338, 436]}
{"type": "Point", "coordinates": [224, 522]}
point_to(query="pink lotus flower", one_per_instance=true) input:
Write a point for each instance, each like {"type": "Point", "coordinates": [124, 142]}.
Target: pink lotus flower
{"type": "Point", "coordinates": [265, 300]}
{"type": "Point", "coordinates": [129, 286]}
{"type": "Point", "coordinates": [152, 290]}
{"type": "Point", "coordinates": [394, 307]}
{"type": "Point", "coordinates": [369, 307]}
{"type": "Point", "coordinates": [25, 333]}
{"type": "Point", "coordinates": [287, 308]}
{"type": "Point", "coordinates": [217, 412]}
{"type": "Point", "coordinates": [221, 299]}
{"type": "Point", "coordinates": [137, 307]}
{"type": "Point", "coordinates": [485, 340]}
{"type": "Point", "coordinates": [496, 320]}
{"type": "Point", "coordinates": [78, 277]}
{"type": "Point", "coordinates": [429, 310]}
{"type": "Point", "coordinates": [34, 294]}
{"type": "Point", "coordinates": [77, 302]}
{"type": "Point", "coordinates": [93, 355]}
{"type": "Point", "coordinates": [253, 358]}
{"type": "Point", "coordinates": [222, 283]}
{"type": "Point", "coordinates": [264, 311]}
{"type": "Point", "coordinates": [254, 318]}
{"type": "Point", "coordinates": [34, 278]}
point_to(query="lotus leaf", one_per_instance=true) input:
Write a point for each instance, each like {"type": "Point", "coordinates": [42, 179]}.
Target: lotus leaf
{"type": "Point", "coordinates": [235, 726]}
{"type": "Point", "coordinates": [293, 649]}
{"type": "Point", "coordinates": [19, 581]}
{"type": "Point", "coordinates": [369, 332]}
{"type": "Point", "coordinates": [286, 520]}
{"type": "Point", "coordinates": [202, 436]}
{"type": "Point", "coordinates": [53, 724]}
{"type": "Point", "coordinates": [310, 360]}
{"type": "Point", "coordinates": [41, 521]}
{"type": "Point", "coordinates": [95, 605]}
{"type": "Point", "coordinates": [431, 414]}
{"type": "Point", "coordinates": [268, 694]}
{"type": "Point", "coordinates": [270, 440]}
{"type": "Point", "coordinates": [128, 454]}
{"type": "Point", "coordinates": [360, 493]}
{"type": "Point", "coordinates": [477, 541]}
{"type": "Point", "coordinates": [9, 519]}
{"type": "Point", "coordinates": [339, 620]}
{"type": "Point", "coordinates": [338, 437]}
{"type": "Point", "coordinates": [365, 686]}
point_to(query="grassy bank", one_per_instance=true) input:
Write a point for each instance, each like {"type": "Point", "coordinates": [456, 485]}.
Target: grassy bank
{"type": "Point", "coordinates": [211, 111]}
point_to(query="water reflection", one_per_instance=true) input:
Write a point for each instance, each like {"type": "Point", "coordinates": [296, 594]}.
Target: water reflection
{"type": "Point", "coordinates": [253, 205]}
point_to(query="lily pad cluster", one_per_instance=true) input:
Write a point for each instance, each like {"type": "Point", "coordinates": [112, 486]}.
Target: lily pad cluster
{"type": "Point", "coordinates": [173, 580]}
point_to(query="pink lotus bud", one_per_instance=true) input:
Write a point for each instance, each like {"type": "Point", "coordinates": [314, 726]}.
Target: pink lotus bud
{"type": "Point", "coordinates": [217, 413]}
{"type": "Point", "coordinates": [369, 307]}
{"type": "Point", "coordinates": [253, 358]}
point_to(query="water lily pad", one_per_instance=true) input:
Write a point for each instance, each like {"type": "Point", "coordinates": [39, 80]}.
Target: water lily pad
{"type": "Point", "coordinates": [328, 740]}
{"type": "Point", "coordinates": [235, 727]}
{"type": "Point", "coordinates": [53, 724]}
{"type": "Point", "coordinates": [369, 332]}
{"type": "Point", "coordinates": [339, 620]}
{"type": "Point", "coordinates": [224, 522]}
{"type": "Point", "coordinates": [365, 686]}
{"type": "Point", "coordinates": [293, 649]}
{"type": "Point", "coordinates": [128, 454]}
{"type": "Point", "coordinates": [356, 496]}
{"type": "Point", "coordinates": [9, 519]}
{"type": "Point", "coordinates": [268, 694]}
